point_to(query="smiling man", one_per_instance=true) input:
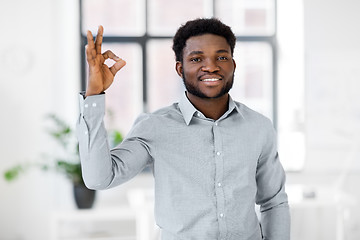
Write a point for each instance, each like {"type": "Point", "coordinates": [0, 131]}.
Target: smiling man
{"type": "Point", "coordinates": [213, 158]}
{"type": "Point", "coordinates": [207, 69]}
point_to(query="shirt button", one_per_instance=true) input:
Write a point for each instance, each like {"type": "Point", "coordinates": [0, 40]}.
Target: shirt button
{"type": "Point", "coordinates": [219, 184]}
{"type": "Point", "coordinates": [198, 114]}
{"type": "Point", "coordinates": [221, 215]}
{"type": "Point", "coordinates": [216, 124]}
{"type": "Point", "coordinates": [86, 105]}
{"type": "Point", "coordinates": [86, 132]}
{"type": "Point", "coordinates": [94, 104]}
{"type": "Point", "coordinates": [218, 153]}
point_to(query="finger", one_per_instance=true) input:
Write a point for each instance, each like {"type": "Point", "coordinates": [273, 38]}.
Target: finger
{"type": "Point", "coordinates": [117, 66]}
{"type": "Point", "coordinates": [90, 48]}
{"type": "Point", "coordinates": [90, 39]}
{"type": "Point", "coordinates": [90, 55]}
{"type": "Point", "coordinates": [111, 55]}
{"type": "Point", "coordinates": [99, 39]}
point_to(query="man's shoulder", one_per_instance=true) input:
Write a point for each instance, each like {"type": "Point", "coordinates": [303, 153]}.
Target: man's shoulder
{"type": "Point", "coordinates": [160, 115]}
{"type": "Point", "coordinates": [252, 115]}
{"type": "Point", "coordinates": [171, 111]}
{"type": "Point", "coordinates": [146, 123]}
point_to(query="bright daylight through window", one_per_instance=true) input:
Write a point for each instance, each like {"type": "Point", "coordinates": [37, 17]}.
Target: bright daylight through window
{"type": "Point", "coordinates": [141, 31]}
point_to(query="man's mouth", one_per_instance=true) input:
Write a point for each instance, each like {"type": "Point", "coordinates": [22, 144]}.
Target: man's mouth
{"type": "Point", "coordinates": [210, 79]}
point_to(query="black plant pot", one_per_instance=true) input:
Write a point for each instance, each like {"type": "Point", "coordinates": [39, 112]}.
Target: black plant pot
{"type": "Point", "coordinates": [84, 197]}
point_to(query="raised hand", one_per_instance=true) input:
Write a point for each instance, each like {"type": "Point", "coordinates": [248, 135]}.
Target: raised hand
{"type": "Point", "coordinates": [100, 75]}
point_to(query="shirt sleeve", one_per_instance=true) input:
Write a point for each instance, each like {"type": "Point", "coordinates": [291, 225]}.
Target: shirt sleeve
{"type": "Point", "coordinates": [103, 167]}
{"type": "Point", "coordinates": [271, 195]}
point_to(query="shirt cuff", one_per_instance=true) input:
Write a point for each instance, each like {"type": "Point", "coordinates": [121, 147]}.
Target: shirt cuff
{"type": "Point", "coordinates": [91, 104]}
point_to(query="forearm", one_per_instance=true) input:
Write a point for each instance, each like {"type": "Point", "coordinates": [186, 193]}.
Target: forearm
{"type": "Point", "coordinates": [275, 223]}
{"type": "Point", "coordinates": [101, 167]}
{"type": "Point", "coordinates": [271, 194]}
{"type": "Point", "coordinates": [94, 150]}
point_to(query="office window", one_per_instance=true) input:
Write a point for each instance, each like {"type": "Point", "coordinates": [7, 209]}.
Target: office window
{"type": "Point", "coordinates": [164, 86]}
{"type": "Point", "coordinates": [149, 81]}
{"type": "Point", "coordinates": [119, 17]}
{"type": "Point", "coordinates": [141, 31]}
{"type": "Point", "coordinates": [248, 17]}
{"type": "Point", "coordinates": [291, 101]}
{"type": "Point", "coordinates": [165, 16]}
{"type": "Point", "coordinates": [124, 98]}
{"type": "Point", "coordinates": [253, 82]}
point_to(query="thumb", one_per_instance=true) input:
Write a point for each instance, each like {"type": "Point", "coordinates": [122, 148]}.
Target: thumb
{"type": "Point", "coordinates": [120, 63]}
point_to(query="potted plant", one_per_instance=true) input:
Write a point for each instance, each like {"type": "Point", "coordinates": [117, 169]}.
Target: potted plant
{"type": "Point", "coordinates": [69, 165]}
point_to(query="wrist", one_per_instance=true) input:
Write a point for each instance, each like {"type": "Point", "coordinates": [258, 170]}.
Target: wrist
{"type": "Point", "coordinates": [89, 93]}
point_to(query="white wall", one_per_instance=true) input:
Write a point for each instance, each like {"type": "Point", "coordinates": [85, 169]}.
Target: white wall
{"type": "Point", "coordinates": [332, 101]}
{"type": "Point", "coordinates": [39, 73]}
{"type": "Point", "coordinates": [39, 62]}
{"type": "Point", "coordinates": [332, 81]}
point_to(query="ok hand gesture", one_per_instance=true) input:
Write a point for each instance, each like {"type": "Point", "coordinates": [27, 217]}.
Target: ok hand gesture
{"type": "Point", "coordinates": [100, 75]}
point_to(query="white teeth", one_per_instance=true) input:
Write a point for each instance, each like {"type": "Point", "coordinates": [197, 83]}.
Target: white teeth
{"type": "Point", "coordinates": [210, 80]}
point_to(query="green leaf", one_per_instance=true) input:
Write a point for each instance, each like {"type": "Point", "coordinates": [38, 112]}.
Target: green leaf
{"type": "Point", "coordinates": [13, 173]}
{"type": "Point", "coordinates": [69, 165]}
{"type": "Point", "coordinates": [115, 138]}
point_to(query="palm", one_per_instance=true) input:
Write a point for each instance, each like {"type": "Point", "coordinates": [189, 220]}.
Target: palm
{"type": "Point", "coordinates": [100, 74]}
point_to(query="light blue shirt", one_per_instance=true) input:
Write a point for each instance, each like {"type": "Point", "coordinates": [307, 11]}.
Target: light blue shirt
{"type": "Point", "coordinates": [208, 174]}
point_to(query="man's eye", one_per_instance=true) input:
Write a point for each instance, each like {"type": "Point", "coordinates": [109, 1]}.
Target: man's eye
{"type": "Point", "coordinates": [222, 58]}
{"type": "Point", "coordinates": [195, 59]}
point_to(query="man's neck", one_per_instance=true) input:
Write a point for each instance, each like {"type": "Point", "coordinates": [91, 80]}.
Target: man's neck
{"type": "Point", "coordinates": [212, 108]}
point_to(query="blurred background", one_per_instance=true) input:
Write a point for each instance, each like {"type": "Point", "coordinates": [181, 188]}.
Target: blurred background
{"type": "Point", "coordinates": [298, 63]}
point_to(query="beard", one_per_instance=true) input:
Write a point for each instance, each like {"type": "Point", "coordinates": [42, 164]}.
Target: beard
{"type": "Point", "coordinates": [197, 92]}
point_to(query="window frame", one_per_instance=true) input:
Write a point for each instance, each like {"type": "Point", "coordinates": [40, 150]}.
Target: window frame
{"type": "Point", "coordinates": [144, 39]}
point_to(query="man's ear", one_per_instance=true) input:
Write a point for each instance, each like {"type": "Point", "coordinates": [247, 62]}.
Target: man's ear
{"type": "Point", "coordinates": [234, 64]}
{"type": "Point", "coordinates": [179, 68]}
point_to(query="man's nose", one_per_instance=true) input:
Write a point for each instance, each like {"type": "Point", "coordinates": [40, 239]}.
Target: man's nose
{"type": "Point", "coordinates": [210, 66]}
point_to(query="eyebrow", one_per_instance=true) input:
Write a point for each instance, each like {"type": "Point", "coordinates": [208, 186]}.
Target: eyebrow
{"type": "Point", "coordinates": [201, 52]}
{"type": "Point", "coordinates": [222, 51]}
{"type": "Point", "coordinates": [196, 52]}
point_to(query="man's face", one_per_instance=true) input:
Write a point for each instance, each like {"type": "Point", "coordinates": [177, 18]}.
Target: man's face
{"type": "Point", "coordinates": [208, 67]}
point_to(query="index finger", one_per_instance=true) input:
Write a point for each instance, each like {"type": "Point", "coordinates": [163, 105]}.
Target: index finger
{"type": "Point", "coordinates": [90, 39]}
{"type": "Point", "coordinates": [98, 40]}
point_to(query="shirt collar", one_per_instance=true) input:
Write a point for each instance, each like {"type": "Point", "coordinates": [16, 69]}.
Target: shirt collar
{"type": "Point", "coordinates": [234, 106]}
{"type": "Point", "coordinates": [188, 110]}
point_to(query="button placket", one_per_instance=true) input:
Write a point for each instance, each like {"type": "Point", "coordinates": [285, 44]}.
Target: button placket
{"type": "Point", "coordinates": [219, 190]}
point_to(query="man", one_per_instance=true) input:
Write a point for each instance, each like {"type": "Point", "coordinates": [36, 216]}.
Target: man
{"type": "Point", "coordinates": [212, 158]}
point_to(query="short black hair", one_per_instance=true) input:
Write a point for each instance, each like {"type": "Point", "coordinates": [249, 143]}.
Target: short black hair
{"type": "Point", "coordinates": [201, 26]}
